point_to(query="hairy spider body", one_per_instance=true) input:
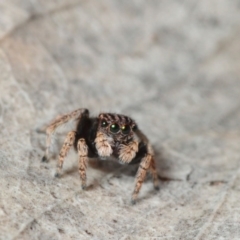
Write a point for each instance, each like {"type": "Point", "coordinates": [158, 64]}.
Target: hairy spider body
{"type": "Point", "coordinates": [108, 135]}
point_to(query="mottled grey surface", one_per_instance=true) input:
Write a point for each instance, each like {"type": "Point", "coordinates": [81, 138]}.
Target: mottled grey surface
{"type": "Point", "coordinates": [174, 66]}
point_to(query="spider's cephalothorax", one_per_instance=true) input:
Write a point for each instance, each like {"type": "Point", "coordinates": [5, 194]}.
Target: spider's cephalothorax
{"type": "Point", "coordinates": [119, 127]}
{"type": "Point", "coordinates": [108, 135]}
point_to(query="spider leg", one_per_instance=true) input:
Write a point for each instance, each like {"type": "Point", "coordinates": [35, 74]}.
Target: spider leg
{"type": "Point", "coordinates": [82, 152]}
{"type": "Point", "coordinates": [147, 164]}
{"type": "Point", "coordinates": [68, 143]}
{"type": "Point", "coordinates": [152, 168]}
{"type": "Point", "coordinates": [141, 174]}
{"type": "Point", "coordinates": [154, 174]}
{"type": "Point", "coordinates": [59, 121]}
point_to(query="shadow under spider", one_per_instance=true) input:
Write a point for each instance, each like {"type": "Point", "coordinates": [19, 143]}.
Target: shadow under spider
{"type": "Point", "coordinates": [113, 169]}
{"type": "Point", "coordinates": [108, 167]}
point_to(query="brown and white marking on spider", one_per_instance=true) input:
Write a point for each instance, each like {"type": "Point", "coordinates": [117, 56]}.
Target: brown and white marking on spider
{"type": "Point", "coordinates": [103, 145]}
{"type": "Point", "coordinates": [128, 152]}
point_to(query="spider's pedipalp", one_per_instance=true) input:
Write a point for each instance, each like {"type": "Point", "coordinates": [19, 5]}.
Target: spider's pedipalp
{"type": "Point", "coordinates": [60, 121]}
{"type": "Point", "coordinates": [128, 152]}
{"type": "Point", "coordinates": [103, 145]}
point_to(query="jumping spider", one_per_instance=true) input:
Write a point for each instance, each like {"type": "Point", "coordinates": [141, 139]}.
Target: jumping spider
{"type": "Point", "coordinates": [108, 135]}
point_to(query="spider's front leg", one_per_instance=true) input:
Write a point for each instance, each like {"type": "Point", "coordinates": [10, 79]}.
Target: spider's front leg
{"type": "Point", "coordinates": [59, 121]}
{"type": "Point", "coordinates": [83, 158]}
{"type": "Point", "coordinates": [147, 164]}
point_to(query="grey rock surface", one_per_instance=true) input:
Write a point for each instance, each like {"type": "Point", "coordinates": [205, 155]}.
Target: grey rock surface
{"type": "Point", "coordinates": [174, 66]}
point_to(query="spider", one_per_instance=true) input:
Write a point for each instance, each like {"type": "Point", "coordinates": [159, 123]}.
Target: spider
{"type": "Point", "coordinates": [108, 135]}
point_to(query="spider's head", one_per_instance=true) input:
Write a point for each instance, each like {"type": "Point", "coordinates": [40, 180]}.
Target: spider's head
{"type": "Point", "coordinates": [121, 128]}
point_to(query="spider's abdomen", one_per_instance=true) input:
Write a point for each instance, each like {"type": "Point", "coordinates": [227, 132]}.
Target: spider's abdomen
{"type": "Point", "coordinates": [87, 129]}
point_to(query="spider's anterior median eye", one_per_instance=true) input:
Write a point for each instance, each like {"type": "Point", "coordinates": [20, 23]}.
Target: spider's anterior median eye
{"type": "Point", "coordinates": [125, 129]}
{"type": "Point", "coordinates": [114, 128]}
{"type": "Point", "coordinates": [104, 123]}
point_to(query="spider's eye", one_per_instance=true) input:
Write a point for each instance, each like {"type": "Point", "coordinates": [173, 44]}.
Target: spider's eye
{"type": "Point", "coordinates": [104, 123]}
{"type": "Point", "coordinates": [126, 129]}
{"type": "Point", "coordinates": [134, 128]}
{"type": "Point", "coordinates": [114, 128]}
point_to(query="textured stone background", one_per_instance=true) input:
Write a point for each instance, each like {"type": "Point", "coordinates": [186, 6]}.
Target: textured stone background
{"type": "Point", "coordinates": [174, 66]}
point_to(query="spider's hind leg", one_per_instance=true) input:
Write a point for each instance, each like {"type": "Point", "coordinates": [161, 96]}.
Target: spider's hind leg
{"type": "Point", "coordinates": [60, 121]}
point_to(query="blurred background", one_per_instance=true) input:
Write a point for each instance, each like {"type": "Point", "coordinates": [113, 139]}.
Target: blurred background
{"type": "Point", "coordinates": [173, 66]}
